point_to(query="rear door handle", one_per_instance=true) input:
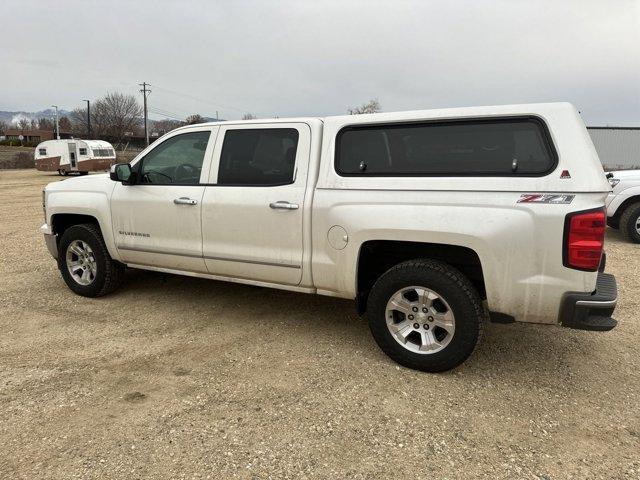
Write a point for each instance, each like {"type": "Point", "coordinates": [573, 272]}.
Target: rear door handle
{"type": "Point", "coordinates": [283, 205]}
{"type": "Point", "coordinates": [185, 201]}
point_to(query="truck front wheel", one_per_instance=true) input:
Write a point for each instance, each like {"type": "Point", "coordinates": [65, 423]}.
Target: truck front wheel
{"type": "Point", "coordinates": [85, 263]}
{"type": "Point", "coordinates": [425, 315]}
{"type": "Point", "coordinates": [630, 222]}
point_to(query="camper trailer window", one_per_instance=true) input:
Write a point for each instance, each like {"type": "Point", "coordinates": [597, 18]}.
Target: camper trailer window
{"type": "Point", "coordinates": [103, 152]}
{"type": "Point", "coordinates": [42, 151]}
{"type": "Point", "coordinates": [83, 151]}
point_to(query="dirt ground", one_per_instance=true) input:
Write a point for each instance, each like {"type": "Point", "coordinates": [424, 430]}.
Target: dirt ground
{"type": "Point", "coordinates": [176, 377]}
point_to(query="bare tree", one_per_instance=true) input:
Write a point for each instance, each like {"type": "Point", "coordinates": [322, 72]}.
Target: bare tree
{"type": "Point", "coordinates": [23, 124]}
{"type": "Point", "coordinates": [248, 116]}
{"type": "Point", "coordinates": [4, 126]}
{"type": "Point", "coordinates": [45, 124]}
{"type": "Point", "coordinates": [114, 115]}
{"type": "Point", "coordinates": [163, 126]}
{"type": "Point", "coordinates": [33, 124]}
{"type": "Point", "coordinates": [78, 119]}
{"type": "Point", "coordinates": [195, 118]}
{"type": "Point", "coordinates": [372, 106]}
{"type": "Point", "coordinates": [64, 124]}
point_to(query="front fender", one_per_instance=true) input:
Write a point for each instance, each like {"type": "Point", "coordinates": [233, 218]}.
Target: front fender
{"type": "Point", "coordinates": [93, 204]}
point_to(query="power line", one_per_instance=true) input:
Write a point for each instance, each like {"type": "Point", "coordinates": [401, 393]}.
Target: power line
{"type": "Point", "coordinates": [170, 117]}
{"type": "Point", "coordinates": [165, 112]}
{"type": "Point", "coordinates": [169, 112]}
{"type": "Point", "coordinates": [243, 110]}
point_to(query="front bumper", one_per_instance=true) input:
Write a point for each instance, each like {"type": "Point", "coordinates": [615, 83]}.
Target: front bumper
{"type": "Point", "coordinates": [591, 311]}
{"type": "Point", "coordinates": [50, 239]}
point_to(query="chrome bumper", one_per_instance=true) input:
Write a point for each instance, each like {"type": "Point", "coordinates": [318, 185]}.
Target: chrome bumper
{"type": "Point", "coordinates": [50, 240]}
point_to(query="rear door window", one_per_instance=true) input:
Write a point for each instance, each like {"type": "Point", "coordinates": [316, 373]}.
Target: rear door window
{"type": "Point", "coordinates": [258, 156]}
{"type": "Point", "coordinates": [520, 146]}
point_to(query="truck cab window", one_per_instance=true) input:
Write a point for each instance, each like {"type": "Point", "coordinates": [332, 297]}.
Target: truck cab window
{"type": "Point", "coordinates": [262, 156]}
{"type": "Point", "coordinates": [177, 160]}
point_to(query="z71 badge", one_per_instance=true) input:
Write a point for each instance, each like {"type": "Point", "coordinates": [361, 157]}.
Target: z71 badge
{"type": "Point", "coordinates": [545, 198]}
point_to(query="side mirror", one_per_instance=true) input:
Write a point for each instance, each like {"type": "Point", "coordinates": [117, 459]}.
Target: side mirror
{"type": "Point", "coordinates": [121, 172]}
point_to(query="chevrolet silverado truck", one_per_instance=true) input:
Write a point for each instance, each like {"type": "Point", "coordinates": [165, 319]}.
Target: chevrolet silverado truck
{"type": "Point", "coordinates": [623, 203]}
{"type": "Point", "coordinates": [434, 221]}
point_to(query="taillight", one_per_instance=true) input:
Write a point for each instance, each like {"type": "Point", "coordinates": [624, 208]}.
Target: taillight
{"type": "Point", "coordinates": [584, 239]}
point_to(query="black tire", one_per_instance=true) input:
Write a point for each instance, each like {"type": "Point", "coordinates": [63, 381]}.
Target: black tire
{"type": "Point", "coordinates": [109, 273]}
{"type": "Point", "coordinates": [83, 173]}
{"type": "Point", "coordinates": [453, 287]}
{"type": "Point", "coordinates": [629, 222]}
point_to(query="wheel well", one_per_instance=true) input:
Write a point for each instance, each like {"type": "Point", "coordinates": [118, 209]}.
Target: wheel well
{"type": "Point", "coordinates": [61, 221]}
{"type": "Point", "coordinates": [623, 206]}
{"type": "Point", "coordinates": [378, 256]}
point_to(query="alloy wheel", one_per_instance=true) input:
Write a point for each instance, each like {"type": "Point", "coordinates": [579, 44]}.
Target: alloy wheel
{"type": "Point", "coordinates": [420, 320]}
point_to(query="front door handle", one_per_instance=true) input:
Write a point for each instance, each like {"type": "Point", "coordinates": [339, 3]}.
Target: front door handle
{"type": "Point", "coordinates": [185, 201]}
{"type": "Point", "coordinates": [283, 205]}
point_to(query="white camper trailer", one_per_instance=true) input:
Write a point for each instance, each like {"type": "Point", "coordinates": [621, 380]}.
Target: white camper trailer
{"type": "Point", "coordinates": [74, 155]}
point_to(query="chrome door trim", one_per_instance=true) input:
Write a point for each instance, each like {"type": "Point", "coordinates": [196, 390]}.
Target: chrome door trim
{"type": "Point", "coordinates": [255, 262]}
{"type": "Point", "coordinates": [224, 259]}
{"type": "Point", "coordinates": [154, 250]}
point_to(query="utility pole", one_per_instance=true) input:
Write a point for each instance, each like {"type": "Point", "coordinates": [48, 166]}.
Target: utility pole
{"type": "Point", "coordinates": [57, 126]}
{"type": "Point", "coordinates": [88, 119]}
{"type": "Point", "coordinates": [145, 91]}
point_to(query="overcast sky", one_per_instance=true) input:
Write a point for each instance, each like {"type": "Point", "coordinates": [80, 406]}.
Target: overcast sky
{"type": "Point", "coordinates": [290, 58]}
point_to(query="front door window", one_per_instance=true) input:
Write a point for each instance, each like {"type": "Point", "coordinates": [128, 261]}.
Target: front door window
{"type": "Point", "coordinates": [176, 161]}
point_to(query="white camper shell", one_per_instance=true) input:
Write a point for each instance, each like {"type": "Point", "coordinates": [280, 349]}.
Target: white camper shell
{"type": "Point", "coordinates": [74, 155]}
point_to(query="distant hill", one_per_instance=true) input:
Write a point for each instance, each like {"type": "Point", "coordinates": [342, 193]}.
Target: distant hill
{"type": "Point", "coordinates": [15, 117]}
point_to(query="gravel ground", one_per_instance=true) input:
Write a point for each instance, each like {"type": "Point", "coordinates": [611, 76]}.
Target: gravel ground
{"type": "Point", "coordinates": [176, 377]}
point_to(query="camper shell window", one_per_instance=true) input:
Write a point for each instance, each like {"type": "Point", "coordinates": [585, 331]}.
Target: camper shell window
{"type": "Point", "coordinates": [519, 146]}
{"type": "Point", "coordinates": [83, 151]}
{"type": "Point", "coordinates": [42, 151]}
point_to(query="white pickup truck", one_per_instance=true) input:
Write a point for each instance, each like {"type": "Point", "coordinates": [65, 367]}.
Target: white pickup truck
{"type": "Point", "coordinates": [432, 221]}
{"type": "Point", "coordinates": [623, 203]}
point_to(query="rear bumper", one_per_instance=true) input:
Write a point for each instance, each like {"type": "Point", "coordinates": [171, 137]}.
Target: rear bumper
{"type": "Point", "coordinates": [591, 311]}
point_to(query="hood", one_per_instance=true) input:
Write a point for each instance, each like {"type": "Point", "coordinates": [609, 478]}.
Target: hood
{"type": "Point", "coordinates": [626, 174]}
{"type": "Point", "coordinates": [88, 183]}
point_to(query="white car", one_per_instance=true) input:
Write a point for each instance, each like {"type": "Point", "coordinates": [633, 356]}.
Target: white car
{"type": "Point", "coordinates": [623, 203]}
{"type": "Point", "coordinates": [434, 221]}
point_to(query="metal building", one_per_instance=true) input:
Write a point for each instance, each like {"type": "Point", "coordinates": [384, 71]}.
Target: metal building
{"type": "Point", "coordinates": [617, 147]}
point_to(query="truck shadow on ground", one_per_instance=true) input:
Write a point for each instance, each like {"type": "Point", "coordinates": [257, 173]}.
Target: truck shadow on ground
{"type": "Point", "coordinates": [513, 348]}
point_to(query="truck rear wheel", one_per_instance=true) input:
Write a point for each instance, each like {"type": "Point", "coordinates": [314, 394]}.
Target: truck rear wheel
{"type": "Point", "coordinates": [630, 223]}
{"type": "Point", "coordinates": [85, 263]}
{"type": "Point", "coordinates": [425, 315]}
